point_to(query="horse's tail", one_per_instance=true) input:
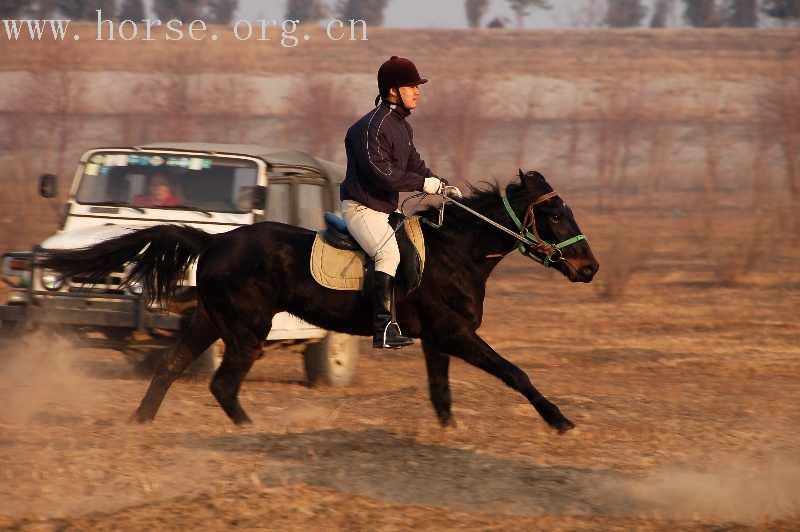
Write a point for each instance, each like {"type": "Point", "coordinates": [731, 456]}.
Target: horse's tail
{"type": "Point", "coordinates": [161, 255]}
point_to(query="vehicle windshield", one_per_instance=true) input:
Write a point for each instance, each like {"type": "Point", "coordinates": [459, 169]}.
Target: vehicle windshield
{"type": "Point", "coordinates": [142, 180]}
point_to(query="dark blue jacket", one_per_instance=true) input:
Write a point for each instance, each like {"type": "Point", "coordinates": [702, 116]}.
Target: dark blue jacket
{"type": "Point", "coordinates": [381, 159]}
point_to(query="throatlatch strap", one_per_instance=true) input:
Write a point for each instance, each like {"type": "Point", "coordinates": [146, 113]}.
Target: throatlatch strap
{"type": "Point", "coordinates": [511, 212]}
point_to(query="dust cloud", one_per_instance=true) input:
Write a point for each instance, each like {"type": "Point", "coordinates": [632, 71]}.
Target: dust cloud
{"type": "Point", "coordinates": [736, 490]}
{"type": "Point", "coordinates": [40, 377]}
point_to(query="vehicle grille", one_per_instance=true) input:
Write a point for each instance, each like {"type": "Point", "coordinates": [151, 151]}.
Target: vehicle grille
{"type": "Point", "coordinates": [111, 284]}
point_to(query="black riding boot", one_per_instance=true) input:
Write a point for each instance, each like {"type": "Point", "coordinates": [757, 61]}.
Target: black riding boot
{"type": "Point", "coordinates": [387, 333]}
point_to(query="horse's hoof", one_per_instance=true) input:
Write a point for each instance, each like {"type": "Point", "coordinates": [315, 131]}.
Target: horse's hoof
{"type": "Point", "coordinates": [243, 421]}
{"type": "Point", "coordinates": [563, 425]}
{"type": "Point", "coordinates": [552, 415]}
{"type": "Point", "coordinates": [139, 418]}
{"type": "Point", "coordinates": [447, 420]}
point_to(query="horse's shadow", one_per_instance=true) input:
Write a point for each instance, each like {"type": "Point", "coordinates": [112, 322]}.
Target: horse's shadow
{"type": "Point", "coordinates": [379, 464]}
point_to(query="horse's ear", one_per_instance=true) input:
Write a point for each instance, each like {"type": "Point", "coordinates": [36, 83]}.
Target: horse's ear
{"type": "Point", "coordinates": [524, 178]}
{"type": "Point", "coordinates": [532, 178]}
{"type": "Point", "coordinates": [528, 179]}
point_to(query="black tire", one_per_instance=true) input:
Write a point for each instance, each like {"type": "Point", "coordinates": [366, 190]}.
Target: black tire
{"type": "Point", "coordinates": [331, 361]}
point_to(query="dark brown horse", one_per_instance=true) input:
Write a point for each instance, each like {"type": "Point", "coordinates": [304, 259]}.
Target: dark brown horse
{"type": "Point", "coordinates": [247, 275]}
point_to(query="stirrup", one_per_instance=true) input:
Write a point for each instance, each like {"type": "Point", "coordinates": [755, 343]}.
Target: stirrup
{"type": "Point", "coordinates": [401, 343]}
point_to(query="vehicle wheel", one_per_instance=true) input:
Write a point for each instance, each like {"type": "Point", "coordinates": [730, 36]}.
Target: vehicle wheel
{"type": "Point", "coordinates": [207, 363]}
{"type": "Point", "coordinates": [332, 360]}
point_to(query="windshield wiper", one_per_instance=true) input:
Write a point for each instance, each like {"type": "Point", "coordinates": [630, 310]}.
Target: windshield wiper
{"type": "Point", "coordinates": [119, 204]}
{"type": "Point", "coordinates": [187, 207]}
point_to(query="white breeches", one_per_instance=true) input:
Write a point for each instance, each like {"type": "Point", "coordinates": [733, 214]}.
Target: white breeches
{"type": "Point", "coordinates": [372, 231]}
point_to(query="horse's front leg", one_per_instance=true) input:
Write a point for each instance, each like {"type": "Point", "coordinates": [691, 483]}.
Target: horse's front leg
{"type": "Point", "coordinates": [470, 347]}
{"type": "Point", "coordinates": [438, 365]}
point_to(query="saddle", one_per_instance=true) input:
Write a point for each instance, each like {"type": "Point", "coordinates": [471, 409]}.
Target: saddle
{"type": "Point", "coordinates": [339, 263]}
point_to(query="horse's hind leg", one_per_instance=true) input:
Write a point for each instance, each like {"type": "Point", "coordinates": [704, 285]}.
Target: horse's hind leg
{"type": "Point", "coordinates": [227, 381]}
{"type": "Point", "coordinates": [438, 365]}
{"type": "Point", "coordinates": [200, 335]}
{"type": "Point", "coordinates": [243, 335]}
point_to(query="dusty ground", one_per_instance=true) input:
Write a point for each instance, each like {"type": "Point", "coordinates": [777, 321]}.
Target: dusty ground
{"type": "Point", "coordinates": [684, 390]}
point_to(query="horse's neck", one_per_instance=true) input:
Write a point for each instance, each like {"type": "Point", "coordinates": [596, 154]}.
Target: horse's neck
{"type": "Point", "coordinates": [487, 245]}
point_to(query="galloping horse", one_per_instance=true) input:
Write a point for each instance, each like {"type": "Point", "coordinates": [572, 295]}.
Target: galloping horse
{"type": "Point", "coordinates": [247, 275]}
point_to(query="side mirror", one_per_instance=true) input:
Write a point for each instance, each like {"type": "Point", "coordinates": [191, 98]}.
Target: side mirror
{"type": "Point", "coordinates": [250, 198]}
{"type": "Point", "coordinates": [48, 186]}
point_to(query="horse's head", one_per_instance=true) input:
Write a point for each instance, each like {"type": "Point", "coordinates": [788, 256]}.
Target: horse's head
{"type": "Point", "coordinates": [549, 219]}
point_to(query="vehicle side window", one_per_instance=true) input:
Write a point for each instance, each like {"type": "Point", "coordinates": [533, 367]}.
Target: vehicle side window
{"type": "Point", "coordinates": [309, 206]}
{"type": "Point", "coordinates": [279, 204]}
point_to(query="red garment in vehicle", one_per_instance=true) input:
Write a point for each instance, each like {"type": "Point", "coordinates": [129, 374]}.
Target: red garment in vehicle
{"type": "Point", "coordinates": [149, 200]}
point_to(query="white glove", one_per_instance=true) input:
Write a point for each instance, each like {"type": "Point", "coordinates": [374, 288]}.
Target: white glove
{"type": "Point", "coordinates": [452, 192]}
{"type": "Point", "coordinates": [433, 185]}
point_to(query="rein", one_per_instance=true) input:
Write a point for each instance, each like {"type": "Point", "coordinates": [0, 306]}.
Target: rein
{"type": "Point", "coordinates": [535, 243]}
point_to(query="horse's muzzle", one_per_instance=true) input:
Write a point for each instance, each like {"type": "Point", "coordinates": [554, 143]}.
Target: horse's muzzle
{"type": "Point", "coordinates": [585, 273]}
{"type": "Point", "coordinates": [580, 271]}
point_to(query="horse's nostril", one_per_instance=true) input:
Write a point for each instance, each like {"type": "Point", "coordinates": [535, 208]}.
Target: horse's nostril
{"type": "Point", "coordinates": [589, 270]}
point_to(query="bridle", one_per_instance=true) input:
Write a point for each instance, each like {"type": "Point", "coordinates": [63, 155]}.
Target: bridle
{"type": "Point", "coordinates": [529, 242]}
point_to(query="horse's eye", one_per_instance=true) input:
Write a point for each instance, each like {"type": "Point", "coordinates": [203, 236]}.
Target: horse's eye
{"type": "Point", "coordinates": [555, 218]}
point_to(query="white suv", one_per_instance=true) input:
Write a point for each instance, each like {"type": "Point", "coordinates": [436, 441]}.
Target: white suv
{"type": "Point", "coordinates": [214, 187]}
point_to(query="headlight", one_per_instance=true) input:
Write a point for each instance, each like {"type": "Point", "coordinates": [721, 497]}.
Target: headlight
{"type": "Point", "coordinates": [52, 280]}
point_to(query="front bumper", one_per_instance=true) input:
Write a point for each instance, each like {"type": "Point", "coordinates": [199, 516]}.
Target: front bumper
{"type": "Point", "coordinates": [83, 310]}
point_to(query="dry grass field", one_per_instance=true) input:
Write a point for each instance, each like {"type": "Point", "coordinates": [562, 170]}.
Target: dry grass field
{"type": "Point", "coordinates": [680, 363]}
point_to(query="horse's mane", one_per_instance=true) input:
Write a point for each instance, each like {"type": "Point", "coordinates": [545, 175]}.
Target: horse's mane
{"type": "Point", "coordinates": [482, 197]}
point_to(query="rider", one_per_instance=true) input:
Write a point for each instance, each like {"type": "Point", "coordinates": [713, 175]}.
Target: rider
{"type": "Point", "coordinates": [381, 162]}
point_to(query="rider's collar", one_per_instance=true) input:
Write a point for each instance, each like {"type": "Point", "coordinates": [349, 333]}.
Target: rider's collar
{"type": "Point", "coordinates": [397, 108]}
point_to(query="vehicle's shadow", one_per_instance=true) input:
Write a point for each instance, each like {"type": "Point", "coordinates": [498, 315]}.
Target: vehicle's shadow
{"type": "Point", "coordinates": [378, 463]}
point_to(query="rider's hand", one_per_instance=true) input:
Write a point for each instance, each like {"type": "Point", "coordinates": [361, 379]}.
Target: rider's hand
{"type": "Point", "coordinates": [453, 192]}
{"type": "Point", "coordinates": [433, 185]}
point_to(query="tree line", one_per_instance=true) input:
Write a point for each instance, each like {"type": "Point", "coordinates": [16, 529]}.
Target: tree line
{"type": "Point", "coordinates": [618, 13]}
{"type": "Point", "coordinates": [214, 11]}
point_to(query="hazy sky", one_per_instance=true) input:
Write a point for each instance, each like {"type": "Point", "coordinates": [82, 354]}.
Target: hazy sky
{"type": "Point", "coordinates": [433, 13]}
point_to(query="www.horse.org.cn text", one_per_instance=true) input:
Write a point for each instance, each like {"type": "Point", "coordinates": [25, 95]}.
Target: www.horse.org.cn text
{"type": "Point", "coordinates": [281, 32]}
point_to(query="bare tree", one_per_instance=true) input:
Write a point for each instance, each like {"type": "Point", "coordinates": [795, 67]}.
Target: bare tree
{"type": "Point", "coordinates": [625, 13]}
{"type": "Point", "coordinates": [785, 10]}
{"type": "Point", "coordinates": [41, 9]}
{"type": "Point", "coordinates": [591, 14]}
{"type": "Point", "coordinates": [741, 13]}
{"type": "Point", "coordinates": [131, 10]}
{"type": "Point", "coordinates": [221, 11]}
{"type": "Point", "coordinates": [702, 13]}
{"type": "Point", "coordinates": [184, 10]}
{"type": "Point", "coordinates": [476, 9]}
{"type": "Point", "coordinates": [306, 10]}
{"type": "Point", "coordinates": [85, 9]}
{"type": "Point", "coordinates": [11, 8]}
{"type": "Point", "coordinates": [661, 12]}
{"type": "Point", "coordinates": [370, 11]}
{"type": "Point", "coordinates": [301, 106]}
{"type": "Point", "coordinates": [520, 8]}
{"type": "Point", "coordinates": [498, 23]}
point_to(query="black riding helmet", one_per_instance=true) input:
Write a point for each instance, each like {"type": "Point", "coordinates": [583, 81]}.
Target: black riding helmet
{"type": "Point", "coordinates": [395, 73]}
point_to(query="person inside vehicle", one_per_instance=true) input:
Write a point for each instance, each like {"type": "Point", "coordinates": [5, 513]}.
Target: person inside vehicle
{"type": "Point", "coordinates": [382, 162]}
{"type": "Point", "coordinates": [160, 194]}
